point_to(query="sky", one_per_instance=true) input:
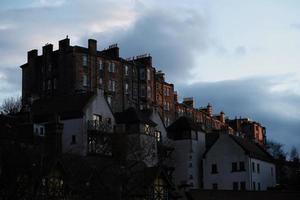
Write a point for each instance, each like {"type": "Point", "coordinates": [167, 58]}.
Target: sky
{"type": "Point", "coordinates": [240, 56]}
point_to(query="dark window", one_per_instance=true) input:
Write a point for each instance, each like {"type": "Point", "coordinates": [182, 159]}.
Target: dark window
{"type": "Point", "coordinates": [73, 139]}
{"type": "Point", "coordinates": [253, 167]}
{"type": "Point", "coordinates": [191, 176]}
{"type": "Point", "coordinates": [258, 186]}
{"type": "Point", "coordinates": [235, 186]}
{"type": "Point", "coordinates": [41, 131]}
{"type": "Point", "coordinates": [234, 166]}
{"type": "Point", "coordinates": [190, 165]}
{"type": "Point", "coordinates": [214, 186]}
{"type": "Point", "coordinates": [254, 188]}
{"type": "Point", "coordinates": [243, 185]}
{"type": "Point", "coordinates": [214, 169]}
{"type": "Point", "coordinates": [242, 166]}
{"type": "Point", "coordinates": [258, 168]}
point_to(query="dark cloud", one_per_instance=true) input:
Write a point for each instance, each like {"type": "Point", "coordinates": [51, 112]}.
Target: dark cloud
{"type": "Point", "coordinates": [173, 39]}
{"type": "Point", "coordinates": [278, 111]}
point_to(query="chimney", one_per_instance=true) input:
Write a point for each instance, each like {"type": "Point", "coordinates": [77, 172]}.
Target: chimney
{"type": "Point", "coordinates": [175, 96]}
{"type": "Point", "coordinates": [64, 44]}
{"type": "Point", "coordinates": [222, 117]}
{"type": "Point", "coordinates": [209, 109]}
{"type": "Point", "coordinates": [47, 49]}
{"type": "Point", "coordinates": [92, 46]}
{"type": "Point", "coordinates": [189, 101]}
{"type": "Point", "coordinates": [32, 54]}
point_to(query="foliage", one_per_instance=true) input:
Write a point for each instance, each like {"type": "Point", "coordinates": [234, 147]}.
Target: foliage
{"type": "Point", "coordinates": [11, 105]}
{"type": "Point", "coordinates": [294, 155]}
{"type": "Point", "coordinates": [276, 150]}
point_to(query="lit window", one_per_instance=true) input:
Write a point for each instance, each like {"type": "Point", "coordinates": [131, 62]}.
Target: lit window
{"type": "Point", "coordinates": [109, 100]}
{"type": "Point", "coordinates": [100, 81]}
{"type": "Point", "coordinates": [126, 88]}
{"type": "Point", "coordinates": [126, 70]}
{"type": "Point", "coordinates": [149, 92]}
{"type": "Point", "coordinates": [158, 136]}
{"type": "Point", "coordinates": [147, 129]}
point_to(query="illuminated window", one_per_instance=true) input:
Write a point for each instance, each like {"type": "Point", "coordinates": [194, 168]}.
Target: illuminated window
{"type": "Point", "coordinates": [126, 70]}
{"type": "Point", "coordinates": [147, 129]}
{"type": "Point", "coordinates": [126, 88]}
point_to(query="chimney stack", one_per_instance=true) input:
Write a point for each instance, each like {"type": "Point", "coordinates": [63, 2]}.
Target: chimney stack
{"type": "Point", "coordinates": [32, 55]}
{"type": "Point", "coordinates": [209, 109]}
{"type": "Point", "coordinates": [92, 46]}
{"type": "Point", "coordinates": [47, 49]}
{"type": "Point", "coordinates": [64, 44]}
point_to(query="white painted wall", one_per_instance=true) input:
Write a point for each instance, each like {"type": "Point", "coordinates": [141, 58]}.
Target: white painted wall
{"type": "Point", "coordinates": [188, 152]}
{"type": "Point", "coordinates": [223, 153]}
{"type": "Point", "coordinates": [78, 127]}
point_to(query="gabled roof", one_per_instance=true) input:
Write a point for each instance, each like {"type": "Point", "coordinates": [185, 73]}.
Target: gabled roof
{"type": "Point", "coordinates": [252, 149]}
{"type": "Point", "coordinates": [132, 116]}
{"type": "Point", "coordinates": [61, 104]}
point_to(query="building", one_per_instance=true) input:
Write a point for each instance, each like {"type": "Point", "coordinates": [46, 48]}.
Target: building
{"type": "Point", "coordinates": [188, 140]}
{"type": "Point", "coordinates": [250, 129]}
{"type": "Point", "coordinates": [234, 163]}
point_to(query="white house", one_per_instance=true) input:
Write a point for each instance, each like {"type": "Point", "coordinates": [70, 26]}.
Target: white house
{"type": "Point", "coordinates": [84, 117]}
{"type": "Point", "coordinates": [188, 140]}
{"type": "Point", "coordinates": [234, 163]}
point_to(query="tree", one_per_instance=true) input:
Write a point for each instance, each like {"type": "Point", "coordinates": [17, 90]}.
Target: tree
{"type": "Point", "coordinates": [276, 150]}
{"type": "Point", "coordinates": [11, 105]}
{"type": "Point", "coordinates": [294, 155]}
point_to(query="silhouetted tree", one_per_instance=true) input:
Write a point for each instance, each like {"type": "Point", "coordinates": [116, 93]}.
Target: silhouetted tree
{"type": "Point", "coordinates": [276, 150]}
{"type": "Point", "coordinates": [294, 155]}
{"type": "Point", "coordinates": [11, 105]}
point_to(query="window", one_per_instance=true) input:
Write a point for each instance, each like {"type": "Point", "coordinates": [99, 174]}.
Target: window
{"type": "Point", "coordinates": [190, 165]}
{"type": "Point", "coordinates": [126, 70]}
{"type": "Point", "coordinates": [112, 67]}
{"type": "Point", "coordinates": [258, 186]}
{"type": "Point", "coordinates": [243, 185]}
{"type": "Point", "coordinates": [235, 186]}
{"type": "Point", "coordinates": [234, 167]}
{"type": "Point", "coordinates": [149, 92]}
{"type": "Point", "coordinates": [73, 139]}
{"type": "Point", "coordinates": [258, 168]}
{"type": "Point", "coordinates": [112, 85]}
{"type": "Point", "coordinates": [214, 169]}
{"type": "Point", "coordinates": [242, 166]}
{"type": "Point", "coordinates": [42, 132]}
{"type": "Point", "coordinates": [214, 186]}
{"type": "Point", "coordinates": [100, 65]}
{"type": "Point", "coordinates": [254, 188]}
{"type": "Point", "coordinates": [148, 75]}
{"type": "Point", "coordinates": [253, 167]}
{"type": "Point", "coordinates": [85, 81]}
{"type": "Point", "coordinates": [143, 91]}
{"type": "Point", "coordinates": [49, 68]}
{"type": "Point", "coordinates": [100, 81]}
{"type": "Point", "coordinates": [126, 88]}
{"type": "Point", "coordinates": [142, 74]}
{"type": "Point", "coordinates": [109, 100]}
{"type": "Point", "coordinates": [84, 60]}
{"type": "Point", "coordinates": [49, 84]}
{"type": "Point", "coordinates": [191, 177]}
{"type": "Point", "coordinates": [158, 136]}
{"type": "Point", "coordinates": [97, 117]}
{"type": "Point", "coordinates": [44, 85]}
{"type": "Point", "coordinates": [54, 83]}
{"type": "Point", "coordinates": [147, 129]}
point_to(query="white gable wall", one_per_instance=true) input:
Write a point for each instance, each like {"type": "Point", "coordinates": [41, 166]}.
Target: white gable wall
{"type": "Point", "coordinates": [187, 160]}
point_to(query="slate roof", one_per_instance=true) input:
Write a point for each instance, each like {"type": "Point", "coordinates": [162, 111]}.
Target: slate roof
{"type": "Point", "coordinates": [61, 105]}
{"type": "Point", "coordinates": [132, 116]}
{"type": "Point", "coordinates": [252, 149]}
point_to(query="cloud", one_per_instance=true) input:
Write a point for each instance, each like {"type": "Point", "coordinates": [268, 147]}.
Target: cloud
{"type": "Point", "coordinates": [254, 98]}
{"type": "Point", "coordinates": [240, 50]}
{"type": "Point", "coordinates": [296, 26]}
{"type": "Point", "coordinates": [173, 39]}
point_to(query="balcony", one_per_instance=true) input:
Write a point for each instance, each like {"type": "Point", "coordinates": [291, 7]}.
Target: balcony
{"type": "Point", "coordinates": [96, 125]}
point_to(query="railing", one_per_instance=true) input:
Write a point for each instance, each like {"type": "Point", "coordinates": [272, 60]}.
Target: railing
{"type": "Point", "coordinates": [97, 125]}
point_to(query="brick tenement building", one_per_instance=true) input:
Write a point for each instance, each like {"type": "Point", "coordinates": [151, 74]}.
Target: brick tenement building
{"type": "Point", "coordinates": [132, 82]}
